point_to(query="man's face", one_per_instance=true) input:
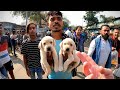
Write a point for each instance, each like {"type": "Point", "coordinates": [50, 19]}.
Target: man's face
{"type": "Point", "coordinates": [105, 31]}
{"type": "Point", "coordinates": [32, 30]}
{"type": "Point", "coordinates": [78, 31]}
{"type": "Point", "coordinates": [116, 33]}
{"type": "Point", "coordinates": [55, 23]}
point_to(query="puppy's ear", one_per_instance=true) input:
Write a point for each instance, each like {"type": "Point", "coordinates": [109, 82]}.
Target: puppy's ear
{"type": "Point", "coordinates": [40, 45]}
{"type": "Point", "coordinates": [61, 45]}
{"type": "Point", "coordinates": [54, 43]}
{"type": "Point", "coordinates": [74, 46]}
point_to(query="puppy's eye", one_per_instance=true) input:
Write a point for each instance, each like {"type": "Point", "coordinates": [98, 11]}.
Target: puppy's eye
{"type": "Point", "coordinates": [44, 43]}
{"type": "Point", "coordinates": [50, 42]}
{"type": "Point", "coordinates": [64, 43]}
{"type": "Point", "coordinates": [70, 44]}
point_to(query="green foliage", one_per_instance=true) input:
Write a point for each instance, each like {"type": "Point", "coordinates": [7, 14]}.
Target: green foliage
{"type": "Point", "coordinates": [32, 15]}
{"type": "Point", "coordinates": [66, 22]}
{"type": "Point", "coordinates": [91, 18]}
{"type": "Point", "coordinates": [106, 19]}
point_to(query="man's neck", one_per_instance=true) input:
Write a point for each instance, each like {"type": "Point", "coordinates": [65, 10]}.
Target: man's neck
{"type": "Point", "coordinates": [33, 38]}
{"type": "Point", "coordinates": [56, 35]}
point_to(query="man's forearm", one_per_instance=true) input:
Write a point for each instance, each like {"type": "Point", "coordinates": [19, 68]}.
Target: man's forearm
{"type": "Point", "coordinates": [25, 61]}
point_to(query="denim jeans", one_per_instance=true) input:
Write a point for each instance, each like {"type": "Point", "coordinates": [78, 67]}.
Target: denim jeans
{"type": "Point", "coordinates": [3, 71]}
{"type": "Point", "coordinates": [36, 70]}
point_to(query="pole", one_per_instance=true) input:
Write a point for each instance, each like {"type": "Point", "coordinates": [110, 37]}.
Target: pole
{"type": "Point", "coordinates": [40, 19]}
{"type": "Point", "coordinates": [26, 17]}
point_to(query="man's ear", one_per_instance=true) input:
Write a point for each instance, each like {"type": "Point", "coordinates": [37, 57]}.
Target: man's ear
{"type": "Point", "coordinates": [40, 45]}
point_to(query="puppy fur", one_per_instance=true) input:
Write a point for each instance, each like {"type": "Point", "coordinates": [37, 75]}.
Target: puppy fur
{"type": "Point", "coordinates": [68, 46]}
{"type": "Point", "coordinates": [47, 45]}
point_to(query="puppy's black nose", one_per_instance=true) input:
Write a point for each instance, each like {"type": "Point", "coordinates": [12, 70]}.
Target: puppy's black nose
{"type": "Point", "coordinates": [48, 49]}
{"type": "Point", "coordinates": [67, 49]}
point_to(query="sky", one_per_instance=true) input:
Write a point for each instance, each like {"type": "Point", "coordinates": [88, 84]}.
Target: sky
{"type": "Point", "coordinates": [75, 17]}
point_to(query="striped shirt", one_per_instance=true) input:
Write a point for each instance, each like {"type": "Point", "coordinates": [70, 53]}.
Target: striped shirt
{"type": "Point", "coordinates": [31, 50]}
{"type": "Point", "coordinates": [4, 55]}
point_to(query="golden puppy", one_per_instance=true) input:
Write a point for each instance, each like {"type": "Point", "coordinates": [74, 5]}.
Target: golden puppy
{"type": "Point", "coordinates": [47, 49]}
{"type": "Point", "coordinates": [68, 48]}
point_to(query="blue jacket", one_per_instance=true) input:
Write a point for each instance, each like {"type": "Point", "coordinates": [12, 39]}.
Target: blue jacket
{"type": "Point", "coordinates": [79, 43]}
{"type": "Point", "coordinates": [96, 54]}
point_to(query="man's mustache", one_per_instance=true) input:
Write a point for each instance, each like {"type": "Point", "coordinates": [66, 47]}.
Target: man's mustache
{"type": "Point", "coordinates": [56, 24]}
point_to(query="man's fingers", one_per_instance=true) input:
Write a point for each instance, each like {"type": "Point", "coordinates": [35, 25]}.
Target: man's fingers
{"type": "Point", "coordinates": [91, 76]}
{"type": "Point", "coordinates": [105, 71]}
{"type": "Point", "coordinates": [82, 58]}
{"type": "Point", "coordinates": [86, 67]}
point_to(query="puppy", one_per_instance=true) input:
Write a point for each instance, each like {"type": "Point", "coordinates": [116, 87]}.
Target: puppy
{"type": "Point", "coordinates": [47, 49]}
{"type": "Point", "coordinates": [68, 48]}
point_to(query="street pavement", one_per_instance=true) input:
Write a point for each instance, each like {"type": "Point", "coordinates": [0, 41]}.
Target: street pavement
{"type": "Point", "coordinates": [20, 72]}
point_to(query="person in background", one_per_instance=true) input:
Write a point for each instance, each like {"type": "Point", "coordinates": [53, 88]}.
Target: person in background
{"type": "Point", "coordinates": [31, 53]}
{"type": "Point", "coordinates": [5, 59]}
{"type": "Point", "coordinates": [84, 33]}
{"type": "Point", "coordinates": [93, 36]}
{"type": "Point", "coordinates": [9, 43]}
{"type": "Point", "coordinates": [79, 39]}
{"type": "Point", "coordinates": [116, 43]}
{"type": "Point", "coordinates": [100, 48]}
{"type": "Point", "coordinates": [13, 37]}
{"type": "Point", "coordinates": [69, 33]}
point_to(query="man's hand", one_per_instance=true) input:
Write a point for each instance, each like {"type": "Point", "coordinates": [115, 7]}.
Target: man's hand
{"type": "Point", "coordinates": [91, 69]}
{"type": "Point", "coordinates": [105, 73]}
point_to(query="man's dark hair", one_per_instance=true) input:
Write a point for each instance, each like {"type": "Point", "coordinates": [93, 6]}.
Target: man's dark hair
{"type": "Point", "coordinates": [51, 13]}
{"type": "Point", "coordinates": [13, 31]}
{"type": "Point", "coordinates": [116, 28]}
{"type": "Point", "coordinates": [78, 27]}
{"type": "Point", "coordinates": [104, 25]}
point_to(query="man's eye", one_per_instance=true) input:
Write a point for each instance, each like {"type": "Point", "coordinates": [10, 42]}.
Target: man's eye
{"type": "Point", "coordinates": [52, 19]}
{"type": "Point", "coordinates": [59, 18]}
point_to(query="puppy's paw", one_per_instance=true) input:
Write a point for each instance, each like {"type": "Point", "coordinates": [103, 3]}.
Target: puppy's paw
{"type": "Point", "coordinates": [56, 69]}
{"type": "Point", "coordinates": [48, 71]}
{"type": "Point", "coordinates": [60, 68]}
{"type": "Point", "coordinates": [65, 68]}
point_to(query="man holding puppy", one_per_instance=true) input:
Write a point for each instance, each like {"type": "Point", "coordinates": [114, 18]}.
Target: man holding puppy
{"type": "Point", "coordinates": [55, 24]}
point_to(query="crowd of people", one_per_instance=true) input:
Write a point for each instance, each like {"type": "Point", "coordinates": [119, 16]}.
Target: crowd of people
{"type": "Point", "coordinates": [100, 48]}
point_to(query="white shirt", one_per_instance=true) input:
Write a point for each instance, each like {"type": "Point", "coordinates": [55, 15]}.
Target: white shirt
{"type": "Point", "coordinates": [68, 32]}
{"type": "Point", "coordinates": [13, 36]}
{"type": "Point", "coordinates": [104, 51]}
